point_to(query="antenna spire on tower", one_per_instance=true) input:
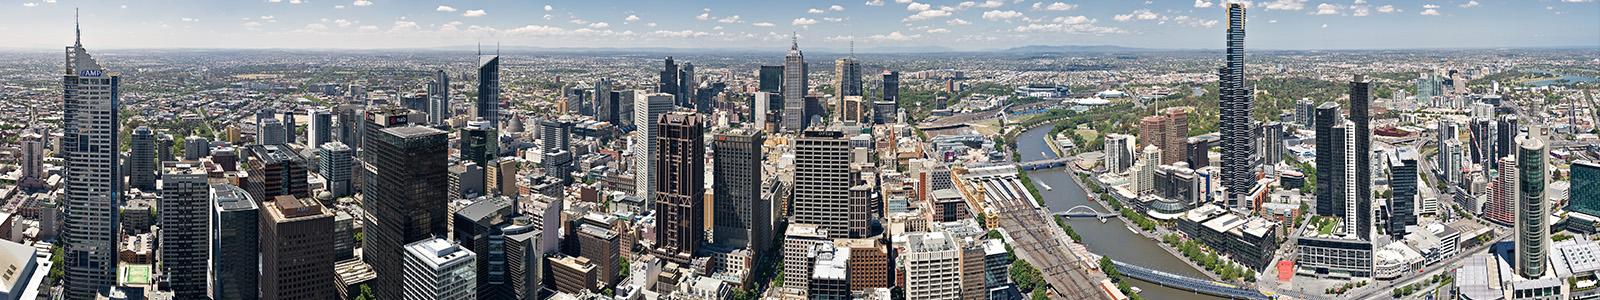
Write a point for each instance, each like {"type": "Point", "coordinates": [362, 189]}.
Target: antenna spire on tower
{"type": "Point", "coordinates": [794, 40]}
{"type": "Point", "coordinates": [480, 48]}
{"type": "Point", "coordinates": [77, 29]}
{"type": "Point", "coordinates": [497, 48]}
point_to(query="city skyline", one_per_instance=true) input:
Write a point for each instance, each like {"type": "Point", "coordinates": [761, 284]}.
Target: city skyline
{"type": "Point", "coordinates": [874, 26]}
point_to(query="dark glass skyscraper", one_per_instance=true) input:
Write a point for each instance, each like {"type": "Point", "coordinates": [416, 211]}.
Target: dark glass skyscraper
{"type": "Point", "coordinates": [669, 80]}
{"type": "Point", "coordinates": [1402, 164]}
{"type": "Point", "coordinates": [488, 106]}
{"type": "Point", "coordinates": [1235, 99]}
{"type": "Point", "coordinates": [1328, 160]}
{"type": "Point", "coordinates": [1360, 99]}
{"type": "Point", "coordinates": [438, 98]}
{"type": "Point", "coordinates": [680, 186]}
{"type": "Point", "coordinates": [403, 200]}
{"type": "Point", "coordinates": [235, 243]}
{"type": "Point", "coordinates": [142, 159]}
{"type": "Point", "coordinates": [770, 79]}
{"type": "Point", "coordinates": [1585, 189]}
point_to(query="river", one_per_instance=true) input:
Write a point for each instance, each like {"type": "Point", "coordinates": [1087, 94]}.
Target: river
{"type": "Point", "coordinates": [1112, 238]}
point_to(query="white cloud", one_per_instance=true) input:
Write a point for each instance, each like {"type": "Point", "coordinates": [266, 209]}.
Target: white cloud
{"type": "Point", "coordinates": [368, 28]}
{"type": "Point", "coordinates": [1286, 5]}
{"type": "Point", "coordinates": [1069, 24]}
{"type": "Point", "coordinates": [342, 23]}
{"type": "Point", "coordinates": [1195, 22]}
{"type": "Point", "coordinates": [316, 27]}
{"type": "Point", "coordinates": [403, 25]}
{"type": "Point", "coordinates": [338, 7]}
{"type": "Point", "coordinates": [991, 4]}
{"type": "Point", "coordinates": [763, 24]}
{"type": "Point", "coordinates": [680, 34]}
{"type": "Point", "coordinates": [547, 7]}
{"type": "Point", "coordinates": [1577, 1]}
{"type": "Point", "coordinates": [1360, 10]}
{"type": "Point", "coordinates": [902, 1]}
{"type": "Point", "coordinates": [914, 6]}
{"type": "Point", "coordinates": [1326, 9]}
{"type": "Point", "coordinates": [296, 1]}
{"type": "Point", "coordinates": [704, 16]}
{"type": "Point", "coordinates": [893, 36]}
{"type": "Point", "coordinates": [651, 24]}
{"type": "Point", "coordinates": [362, 3]}
{"type": "Point", "coordinates": [957, 22]}
{"type": "Point", "coordinates": [445, 8]}
{"type": "Point", "coordinates": [1430, 6]}
{"type": "Point", "coordinates": [943, 11]}
{"type": "Point", "coordinates": [474, 13]}
{"type": "Point", "coordinates": [188, 19]}
{"type": "Point", "coordinates": [1141, 14]}
{"type": "Point", "coordinates": [833, 19]}
{"type": "Point", "coordinates": [1324, 25]}
{"type": "Point", "coordinates": [1058, 6]}
{"type": "Point", "coordinates": [1202, 3]}
{"type": "Point", "coordinates": [600, 25]}
{"type": "Point", "coordinates": [252, 25]}
{"type": "Point", "coordinates": [1430, 12]}
{"type": "Point", "coordinates": [938, 30]}
{"type": "Point", "coordinates": [1388, 9]}
{"type": "Point", "coordinates": [30, 4]}
{"type": "Point", "coordinates": [631, 18]}
{"type": "Point", "coordinates": [875, 3]}
{"type": "Point", "coordinates": [815, 11]}
{"type": "Point", "coordinates": [996, 15]}
{"type": "Point", "coordinates": [803, 22]}
{"type": "Point", "coordinates": [730, 20]}
{"type": "Point", "coordinates": [836, 7]}
{"type": "Point", "coordinates": [1470, 4]}
{"type": "Point", "coordinates": [536, 30]}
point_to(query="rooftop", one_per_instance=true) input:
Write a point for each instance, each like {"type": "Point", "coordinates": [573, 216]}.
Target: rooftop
{"type": "Point", "coordinates": [438, 252]}
{"type": "Point", "coordinates": [407, 132]}
{"type": "Point", "coordinates": [232, 198]}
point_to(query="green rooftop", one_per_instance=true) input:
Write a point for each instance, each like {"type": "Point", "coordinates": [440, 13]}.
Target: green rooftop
{"type": "Point", "coordinates": [134, 274]}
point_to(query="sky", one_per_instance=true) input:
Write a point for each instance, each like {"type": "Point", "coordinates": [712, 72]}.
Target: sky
{"type": "Point", "coordinates": [764, 24]}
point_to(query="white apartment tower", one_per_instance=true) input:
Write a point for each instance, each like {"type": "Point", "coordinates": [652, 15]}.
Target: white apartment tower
{"type": "Point", "coordinates": [439, 269]}
{"type": "Point", "coordinates": [646, 109]}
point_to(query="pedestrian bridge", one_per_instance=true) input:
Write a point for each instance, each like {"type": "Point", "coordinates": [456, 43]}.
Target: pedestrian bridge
{"type": "Point", "coordinates": [1202, 286]}
{"type": "Point", "coordinates": [1084, 211]}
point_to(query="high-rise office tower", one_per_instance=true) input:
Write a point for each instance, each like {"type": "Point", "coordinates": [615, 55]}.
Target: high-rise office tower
{"type": "Point", "coordinates": [488, 105]}
{"type": "Point", "coordinates": [276, 170]}
{"type": "Point", "coordinates": [680, 183]}
{"type": "Point", "coordinates": [770, 79]}
{"type": "Point", "coordinates": [185, 212]}
{"type": "Point", "coordinates": [32, 146]}
{"type": "Point", "coordinates": [1402, 163]}
{"type": "Point", "coordinates": [477, 228]}
{"type": "Point", "coordinates": [403, 203]}
{"type": "Point", "coordinates": [164, 148]}
{"type": "Point", "coordinates": [235, 244]}
{"type": "Point", "coordinates": [891, 85]}
{"type": "Point", "coordinates": [377, 119]}
{"type": "Point", "coordinates": [350, 123]}
{"type": "Point", "coordinates": [288, 127]}
{"type": "Point", "coordinates": [1585, 191]}
{"type": "Point", "coordinates": [669, 79]}
{"type": "Point", "coordinates": [270, 132]}
{"type": "Point", "coordinates": [556, 135]}
{"type": "Point", "coordinates": [436, 268]}
{"type": "Point", "coordinates": [1152, 131]}
{"type": "Point", "coordinates": [852, 110]}
{"type": "Point", "coordinates": [1328, 161]}
{"type": "Point", "coordinates": [1533, 225]}
{"type": "Point", "coordinates": [1481, 142]}
{"type": "Point", "coordinates": [439, 98]}
{"type": "Point", "coordinates": [479, 142]}
{"type": "Point", "coordinates": [847, 76]}
{"type": "Point", "coordinates": [741, 217]}
{"type": "Point", "coordinates": [1506, 132]}
{"type": "Point", "coordinates": [799, 244]}
{"type": "Point", "coordinates": [1176, 135]}
{"type": "Point", "coordinates": [320, 130]}
{"type": "Point", "coordinates": [142, 159]}
{"type": "Point", "coordinates": [1236, 99]}
{"type": "Point", "coordinates": [195, 147]}
{"type": "Point", "coordinates": [297, 251]}
{"type": "Point", "coordinates": [605, 103]}
{"type": "Point", "coordinates": [686, 87]}
{"type": "Point", "coordinates": [335, 163]}
{"type": "Point", "coordinates": [647, 108]}
{"type": "Point", "coordinates": [760, 108]}
{"type": "Point", "coordinates": [932, 263]}
{"type": "Point", "coordinates": [1360, 101]}
{"type": "Point", "coordinates": [822, 182]}
{"type": "Point", "coordinates": [524, 261]}
{"type": "Point", "coordinates": [1305, 112]}
{"type": "Point", "coordinates": [93, 186]}
{"type": "Point", "coordinates": [1119, 152]}
{"type": "Point", "coordinates": [794, 89]}
{"type": "Point", "coordinates": [1271, 143]}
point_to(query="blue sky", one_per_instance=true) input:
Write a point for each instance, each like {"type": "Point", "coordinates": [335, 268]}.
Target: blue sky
{"type": "Point", "coordinates": [957, 24]}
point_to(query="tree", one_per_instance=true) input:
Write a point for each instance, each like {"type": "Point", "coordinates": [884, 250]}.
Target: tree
{"type": "Point", "coordinates": [622, 267]}
{"type": "Point", "coordinates": [1109, 267]}
{"type": "Point", "coordinates": [366, 293]}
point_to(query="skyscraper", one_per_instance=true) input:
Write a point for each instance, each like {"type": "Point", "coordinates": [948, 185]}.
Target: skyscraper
{"type": "Point", "coordinates": [1328, 161]}
{"type": "Point", "coordinates": [556, 135]}
{"type": "Point", "coordinates": [680, 182]}
{"type": "Point", "coordinates": [822, 182]}
{"type": "Point", "coordinates": [1119, 152]}
{"type": "Point", "coordinates": [403, 201]}
{"type": "Point", "coordinates": [605, 103]}
{"type": "Point", "coordinates": [488, 105]}
{"type": "Point", "coordinates": [185, 212]}
{"type": "Point", "coordinates": [320, 130]}
{"type": "Point", "coordinates": [1236, 99]}
{"type": "Point", "coordinates": [235, 244]}
{"type": "Point", "coordinates": [669, 80]}
{"type": "Point", "coordinates": [847, 76]}
{"type": "Point", "coordinates": [438, 98]}
{"type": "Point", "coordinates": [270, 132]}
{"type": "Point", "coordinates": [760, 108]}
{"type": "Point", "coordinates": [439, 269]}
{"type": "Point", "coordinates": [93, 182]}
{"type": "Point", "coordinates": [884, 109]}
{"type": "Point", "coordinates": [1585, 192]}
{"type": "Point", "coordinates": [1402, 163]}
{"type": "Point", "coordinates": [686, 87]}
{"type": "Point", "coordinates": [477, 228]}
{"type": "Point", "coordinates": [1176, 135]}
{"type": "Point", "coordinates": [142, 159]}
{"type": "Point", "coordinates": [276, 170]}
{"type": "Point", "coordinates": [741, 217]}
{"type": "Point", "coordinates": [479, 142]}
{"type": "Point", "coordinates": [1352, 212]}
{"type": "Point", "coordinates": [794, 89]}
{"type": "Point", "coordinates": [1360, 101]}
{"type": "Point", "coordinates": [335, 163]}
{"type": "Point", "coordinates": [297, 251]}
{"type": "Point", "coordinates": [195, 147]}
{"type": "Point", "coordinates": [1533, 225]}
{"type": "Point", "coordinates": [891, 85]}
{"type": "Point", "coordinates": [647, 108]}
{"type": "Point", "coordinates": [288, 127]}
{"type": "Point", "coordinates": [770, 79]}
{"type": "Point", "coordinates": [164, 148]}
